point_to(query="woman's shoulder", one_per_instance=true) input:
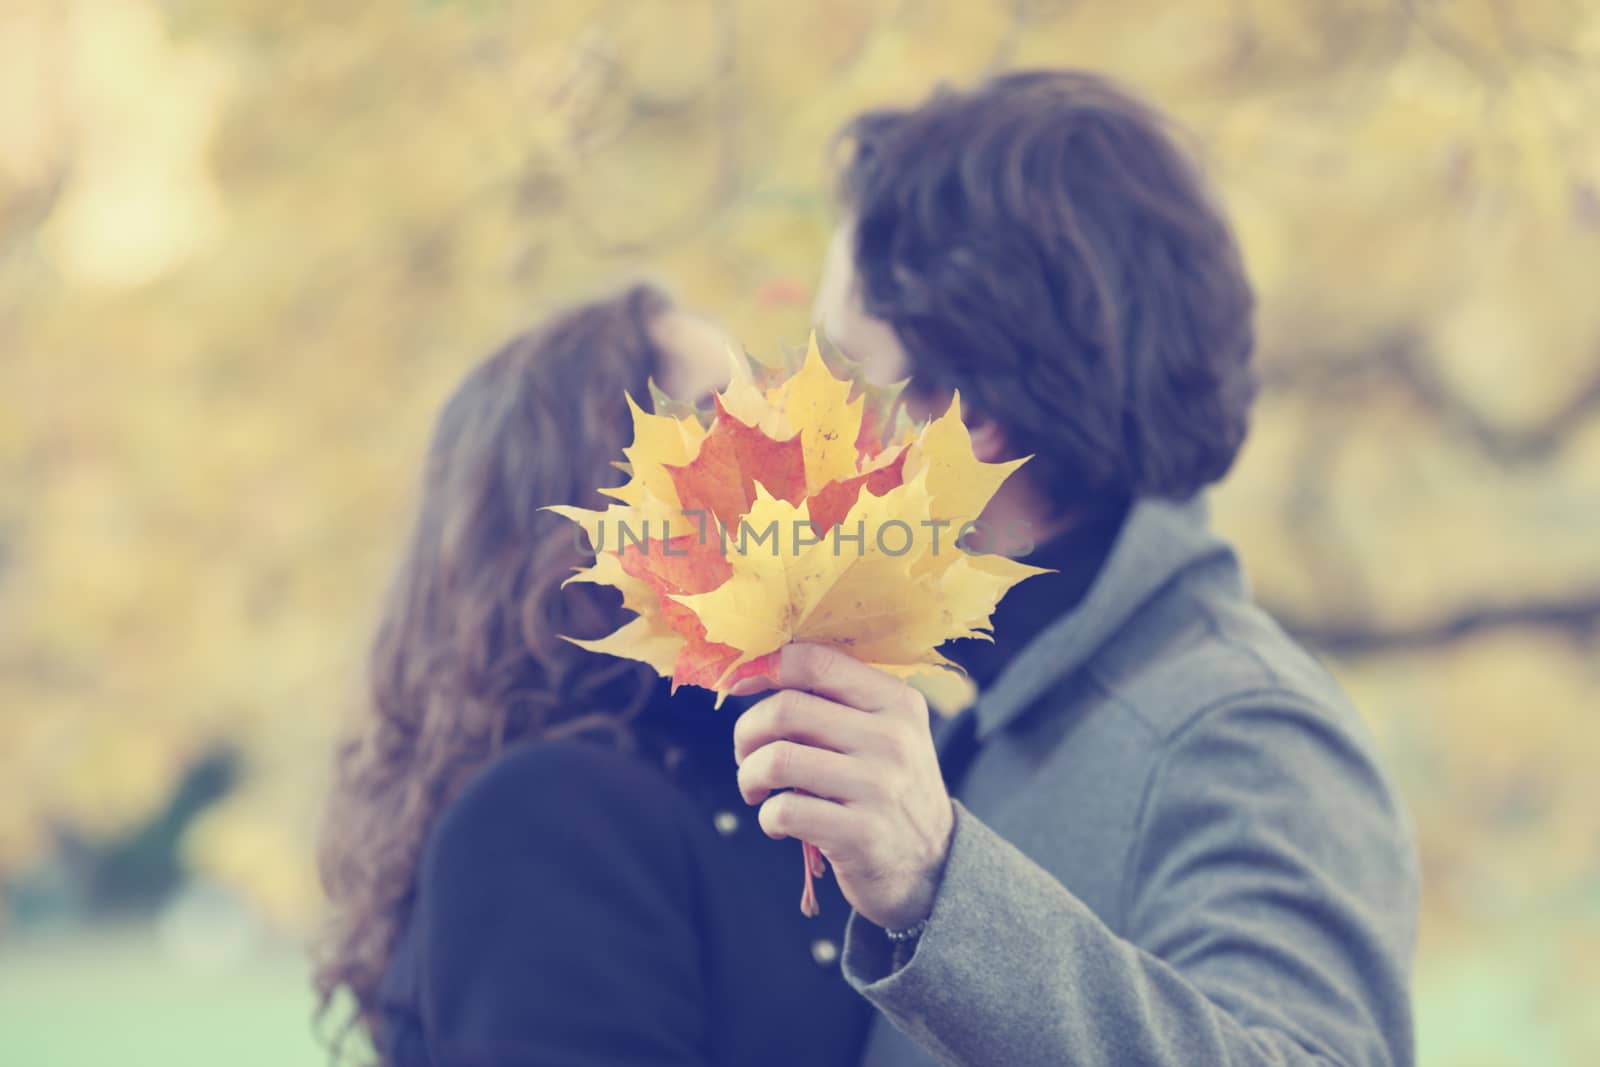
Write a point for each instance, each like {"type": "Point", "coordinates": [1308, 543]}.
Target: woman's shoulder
{"type": "Point", "coordinates": [582, 796]}
{"type": "Point", "coordinates": [539, 768]}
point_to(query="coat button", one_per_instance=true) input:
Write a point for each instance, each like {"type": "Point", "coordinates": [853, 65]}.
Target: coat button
{"type": "Point", "coordinates": [726, 822]}
{"type": "Point", "coordinates": [824, 952]}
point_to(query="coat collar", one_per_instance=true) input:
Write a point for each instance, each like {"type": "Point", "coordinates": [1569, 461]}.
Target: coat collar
{"type": "Point", "coordinates": [1159, 540]}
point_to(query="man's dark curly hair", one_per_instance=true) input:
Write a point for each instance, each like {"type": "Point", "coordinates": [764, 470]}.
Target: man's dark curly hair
{"type": "Point", "coordinates": [1040, 243]}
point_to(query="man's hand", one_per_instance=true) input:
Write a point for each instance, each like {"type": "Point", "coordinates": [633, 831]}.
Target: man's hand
{"type": "Point", "coordinates": [856, 741]}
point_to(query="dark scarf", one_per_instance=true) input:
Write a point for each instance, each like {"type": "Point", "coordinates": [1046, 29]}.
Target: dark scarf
{"type": "Point", "coordinates": [1076, 556]}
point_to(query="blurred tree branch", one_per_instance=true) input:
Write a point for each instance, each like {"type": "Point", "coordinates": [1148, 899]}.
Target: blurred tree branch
{"type": "Point", "coordinates": [1577, 616]}
{"type": "Point", "coordinates": [1402, 362]}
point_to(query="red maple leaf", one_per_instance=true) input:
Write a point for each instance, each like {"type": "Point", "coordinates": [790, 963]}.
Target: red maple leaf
{"type": "Point", "coordinates": [874, 424]}
{"type": "Point", "coordinates": [722, 479]}
{"type": "Point", "coordinates": [829, 505]}
{"type": "Point", "coordinates": [685, 564]}
{"type": "Point", "coordinates": [702, 662]}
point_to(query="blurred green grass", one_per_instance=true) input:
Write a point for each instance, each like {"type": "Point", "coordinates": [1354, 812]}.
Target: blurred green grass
{"type": "Point", "coordinates": [91, 1000]}
{"type": "Point", "coordinates": [88, 999]}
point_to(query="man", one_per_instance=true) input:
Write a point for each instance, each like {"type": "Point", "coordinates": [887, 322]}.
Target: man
{"type": "Point", "coordinates": [1169, 842]}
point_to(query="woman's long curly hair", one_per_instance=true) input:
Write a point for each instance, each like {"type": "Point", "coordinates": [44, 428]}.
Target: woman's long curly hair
{"type": "Point", "coordinates": [468, 657]}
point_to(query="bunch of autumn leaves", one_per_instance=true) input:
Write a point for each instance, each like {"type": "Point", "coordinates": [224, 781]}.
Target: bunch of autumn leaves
{"type": "Point", "coordinates": [797, 510]}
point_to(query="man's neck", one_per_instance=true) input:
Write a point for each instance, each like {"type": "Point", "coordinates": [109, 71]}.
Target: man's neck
{"type": "Point", "coordinates": [1071, 551]}
{"type": "Point", "coordinates": [1019, 518]}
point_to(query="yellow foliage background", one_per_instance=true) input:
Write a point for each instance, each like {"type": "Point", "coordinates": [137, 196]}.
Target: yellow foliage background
{"type": "Point", "coordinates": [247, 246]}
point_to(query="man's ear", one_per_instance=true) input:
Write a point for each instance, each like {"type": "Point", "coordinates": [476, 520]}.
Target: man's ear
{"type": "Point", "coordinates": [989, 441]}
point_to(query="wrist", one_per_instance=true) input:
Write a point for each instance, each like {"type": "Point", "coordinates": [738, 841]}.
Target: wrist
{"type": "Point", "coordinates": [916, 907]}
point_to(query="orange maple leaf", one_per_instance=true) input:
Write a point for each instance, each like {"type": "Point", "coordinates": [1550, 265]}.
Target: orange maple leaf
{"type": "Point", "coordinates": [722, 478]}
{"type": "Point", "coordinates": [830, 504]}
{"type": "Point", "coordinates": [688, 563]}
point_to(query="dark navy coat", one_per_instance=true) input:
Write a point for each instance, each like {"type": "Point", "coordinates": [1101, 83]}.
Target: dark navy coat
{"type": "Point", "coordinates": [579, 906]}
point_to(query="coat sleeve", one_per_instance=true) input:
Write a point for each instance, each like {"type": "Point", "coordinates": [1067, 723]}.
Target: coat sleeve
{"type": "Point", "coordinates": [1269, 906]}
{"type": "Point", "coordinates": [557, 923]}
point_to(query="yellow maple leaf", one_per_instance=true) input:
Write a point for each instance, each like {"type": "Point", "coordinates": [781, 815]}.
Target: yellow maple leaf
{"type": "Point", "coordinates": [819, 405]}
{"type": "Point", "coordinates": [959, 484]}
{"type": "Point", "coordinates": [751, 405]}
{"type": "Point", "coordinates": [657, 440]}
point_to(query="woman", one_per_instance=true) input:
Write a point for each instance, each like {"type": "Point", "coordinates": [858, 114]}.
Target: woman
{"type": "Point", "coordinates": [537, 856]}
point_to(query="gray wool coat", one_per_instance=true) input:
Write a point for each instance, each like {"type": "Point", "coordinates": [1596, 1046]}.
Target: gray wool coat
{"type": "Point", "coordinates": [1173, 847]}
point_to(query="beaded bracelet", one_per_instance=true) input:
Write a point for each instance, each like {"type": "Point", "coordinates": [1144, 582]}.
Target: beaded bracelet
{"type": "Point", "coordinates": [910, 933]}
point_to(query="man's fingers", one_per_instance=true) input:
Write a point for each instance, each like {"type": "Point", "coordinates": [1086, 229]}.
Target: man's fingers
{"type": "Point", "coordinates": [787, 765]}
{"type": "Point", "coordinates": [840, 677]}
{"type": "Point", "coordinates": [795, 715]}
{"type": "Point", "coordinates": [824, 823]}
{"type": "Point", "coordinates": [756, 683]}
